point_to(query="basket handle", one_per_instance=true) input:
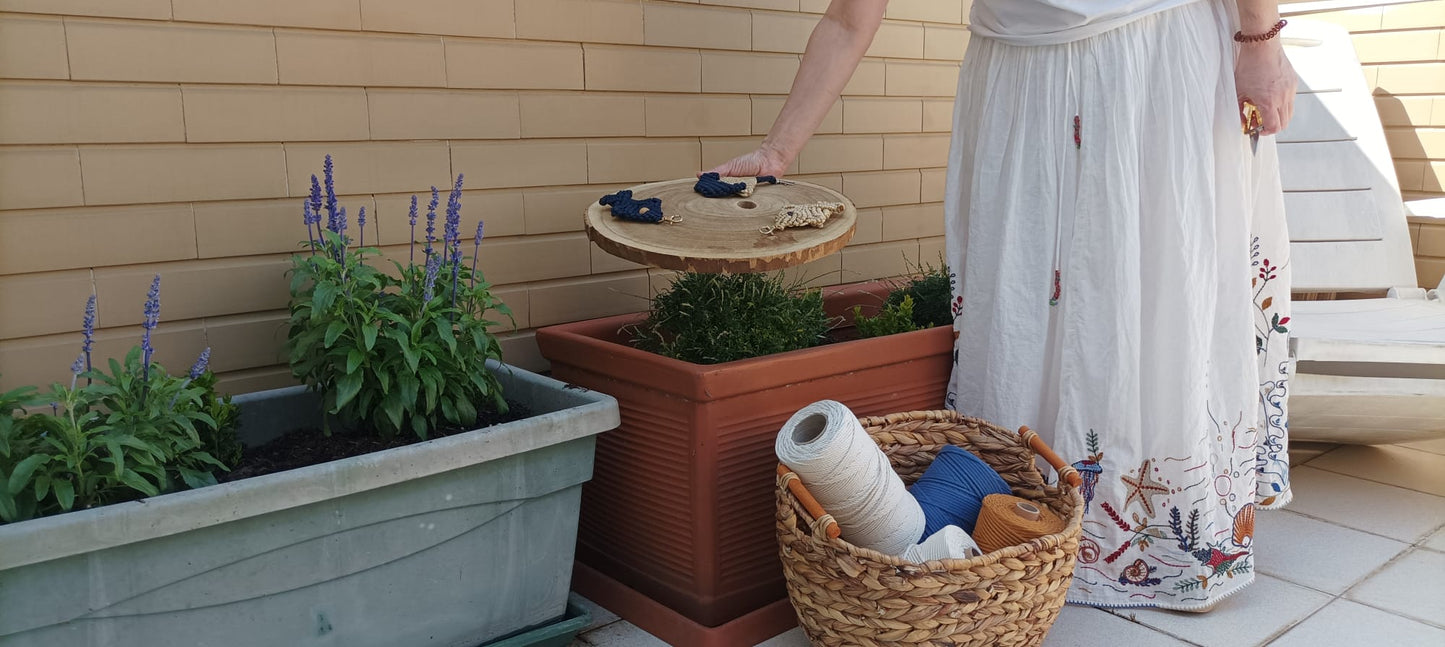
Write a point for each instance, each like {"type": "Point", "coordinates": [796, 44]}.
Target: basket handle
{"type": "Point", "coordinates": [1065, 471]}
{"type": "Point", "coordinates": [795, 485]}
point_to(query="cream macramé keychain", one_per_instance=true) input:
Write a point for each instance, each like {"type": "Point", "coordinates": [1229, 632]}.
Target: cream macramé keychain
{"type": "Point", "coordinates": [804, 215]}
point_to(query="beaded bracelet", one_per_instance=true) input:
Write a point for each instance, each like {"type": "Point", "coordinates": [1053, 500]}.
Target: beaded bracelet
{"type": "Point", "coordinates": [1239, 36]}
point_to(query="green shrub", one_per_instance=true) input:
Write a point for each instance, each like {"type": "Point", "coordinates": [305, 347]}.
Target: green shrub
{"type": "Point", "coordinates": [932, 292]}
{"type": "Point", "coordinates": [714, 318]}
{"type": "Point", "coordinates": [893, 319]}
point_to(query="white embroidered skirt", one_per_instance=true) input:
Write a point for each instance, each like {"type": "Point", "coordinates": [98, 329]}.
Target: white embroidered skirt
{"type": "Point", "coordinates": [1121, 285]}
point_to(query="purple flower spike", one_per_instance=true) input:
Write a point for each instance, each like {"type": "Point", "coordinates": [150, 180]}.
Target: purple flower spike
{"type": "Point", "coordinates": [308, 218]}
{"type": "Point", "coordinates": [152, 318]}
{"type": "Point", "coordinates": [76, 368]}
{"type": "Point", "coordinates": [454, 217]}
{"type": "Point", "coordinates": [341, 232]}
{"type": "Point", "coordinates": [152, 314]}
{"type": "Point", "coordinates": [433, 265]}
{"type": "Point", "coordinates": [315, 199]}
{"type": "Point", "coordinates": [88, 329]}
{"type": "Point", "coordinates": [335, 217]}
{"type": "Point", "coordinates": [201, 363]}
{"type": "Point", "coordinates": [361, 225]}
{"type": "Point", "coordinates": [454, 233]}
{"type": "Point", "coordinates": [411, 218]}
{"type": "Point", "coordinates": [431, 222]}
{"type": "Point", "coordinates": [476, 251]}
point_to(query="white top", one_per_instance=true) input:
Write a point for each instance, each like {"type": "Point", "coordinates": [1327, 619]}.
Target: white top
{"type": "Point", "coordinates": [1052, 22]}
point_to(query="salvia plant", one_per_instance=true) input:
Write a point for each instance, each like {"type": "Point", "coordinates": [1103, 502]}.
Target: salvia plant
{"type": "Point", "coordinates": [392, 351]}
{"type": "Point", "coordinates": [130, 431]}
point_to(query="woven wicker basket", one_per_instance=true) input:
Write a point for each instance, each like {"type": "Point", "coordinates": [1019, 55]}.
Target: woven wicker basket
{"type": "Point", "coordinates": [846, 595]}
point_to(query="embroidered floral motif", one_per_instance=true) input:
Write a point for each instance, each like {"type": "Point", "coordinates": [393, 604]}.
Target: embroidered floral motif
{"type": "Point", "coordinates": [1090, 469]}
{"type": "Point", "coordinates": [1271, 346]}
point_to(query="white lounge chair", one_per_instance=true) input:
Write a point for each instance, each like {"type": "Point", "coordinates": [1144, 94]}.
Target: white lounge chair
{"type": "Point", "coordinates": [1368, 371]}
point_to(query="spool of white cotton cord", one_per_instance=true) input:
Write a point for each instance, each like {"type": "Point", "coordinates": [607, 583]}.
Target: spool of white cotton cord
{"type": "Point", "coordinates": [850, 477]}
{"type": "Point", "coordinates": [949, 543]}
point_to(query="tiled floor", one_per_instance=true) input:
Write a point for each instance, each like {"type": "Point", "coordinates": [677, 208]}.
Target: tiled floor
{"type": "Point", "coordinates": [1358, 558]}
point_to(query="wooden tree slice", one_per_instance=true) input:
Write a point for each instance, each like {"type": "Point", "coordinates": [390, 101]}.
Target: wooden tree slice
{"type": "Point", "coordinates": [721, 235]}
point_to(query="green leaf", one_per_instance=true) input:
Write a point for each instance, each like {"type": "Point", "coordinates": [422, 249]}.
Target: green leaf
{"type": "Point", "coordinates": [418, 426]}
{"type": "Point", "coordinates": [190, 429]}
{"type": "Point", "coordinates": [117, 456]}
{"type": "Point", "coordinates": [433, 389]}
{"type": "Point", "coordinates": [136, 482]}
{"type": "Point", "coordinates": [466, 412]}
{"type": "Point", "coordinates": [363, 402]}
{"type": "Point", "coordinates": [393, 406]}
{"type": "Point", "coordinates": [196, 479]}
{"type": "Point", "coordinates": [23, 470]}
{"type": "Point", "coordinates": [8, 512]}
{"type": "Point", "coordinates": [206, 457]}
{"type": "Point", "coordinates": [42, 486]}
{"type": "Point", "coordinates": [64, 493]}
{"type": "Point", "coordinates": [413, 359]}
{"type": "Point", "coordinates": [449, 411]}
{"type": "Point", "coordinates": [333, 332]}
{"type": "Point", "coordinates": [354, 358]}
{"type": "Point", "coordinates": [368, 336]}
{"type": "Point", "coordinates": [479, 380]}
{"type": "Point", "coordinates": [408, 387]}
{"type": "Point", "coordinates": [201, 416]}
{"type": "Point", "coordinates": [444, 330]}
{"type": "Point", "coordinates": [346, 389]}
{"type": "Point", "coordinates": [323, 298]}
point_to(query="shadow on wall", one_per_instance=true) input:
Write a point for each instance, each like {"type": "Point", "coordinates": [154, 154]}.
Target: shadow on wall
{"type": "Point", "coordinates": [1407, 144]}
{"type": "Point", "coordinates": [1342, 199]}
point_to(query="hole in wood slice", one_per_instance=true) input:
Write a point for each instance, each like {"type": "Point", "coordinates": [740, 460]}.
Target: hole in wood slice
{"type": "Point", "coordinates": [747, 204]}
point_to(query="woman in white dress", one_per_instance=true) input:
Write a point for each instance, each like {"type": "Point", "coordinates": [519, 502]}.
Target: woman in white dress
{"type": "Point", "coordinates": [1121, 263]}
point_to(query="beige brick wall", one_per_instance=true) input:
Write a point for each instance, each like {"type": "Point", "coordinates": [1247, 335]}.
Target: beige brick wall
{"type": "Point", "coordinates": [176, 136]}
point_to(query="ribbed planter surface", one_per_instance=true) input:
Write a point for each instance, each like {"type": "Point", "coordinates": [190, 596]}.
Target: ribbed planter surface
{"type": "Point", "coordinates": [680, 507]}
{"type": "Point", "coordinates": [451, 542]}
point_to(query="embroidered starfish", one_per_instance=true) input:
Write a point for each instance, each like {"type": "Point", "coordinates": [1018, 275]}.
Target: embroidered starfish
{"type": "Point", "coordinates": [1144, 488]}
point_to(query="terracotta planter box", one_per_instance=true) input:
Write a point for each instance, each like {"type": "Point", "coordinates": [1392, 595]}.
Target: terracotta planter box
{"type": "Point", "coordinates": [677, 522]}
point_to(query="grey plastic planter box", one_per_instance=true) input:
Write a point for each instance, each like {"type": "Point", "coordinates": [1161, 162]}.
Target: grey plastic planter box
{"type": "Point", "coordinates": [449, 543]}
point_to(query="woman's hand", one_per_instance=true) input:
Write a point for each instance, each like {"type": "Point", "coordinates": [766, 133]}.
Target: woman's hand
{"type": "Point", "coordinates": [760, 162]}
{"type": "Point", "coordinates": [1264, 77]}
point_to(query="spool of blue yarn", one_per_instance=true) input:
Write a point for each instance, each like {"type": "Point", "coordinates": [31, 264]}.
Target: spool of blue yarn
{"type": "Point", "coordinates": [952, 489]}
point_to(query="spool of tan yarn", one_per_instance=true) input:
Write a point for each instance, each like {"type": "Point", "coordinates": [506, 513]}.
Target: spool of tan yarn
{"type": "Point", "coordinates": [1007, 520]}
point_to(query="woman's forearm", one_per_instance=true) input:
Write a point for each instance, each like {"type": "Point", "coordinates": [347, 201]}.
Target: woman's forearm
{"type": "Point", "coordinates": [833, 53]}
{"type": "Point", "coordinates": [1258, 16]}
